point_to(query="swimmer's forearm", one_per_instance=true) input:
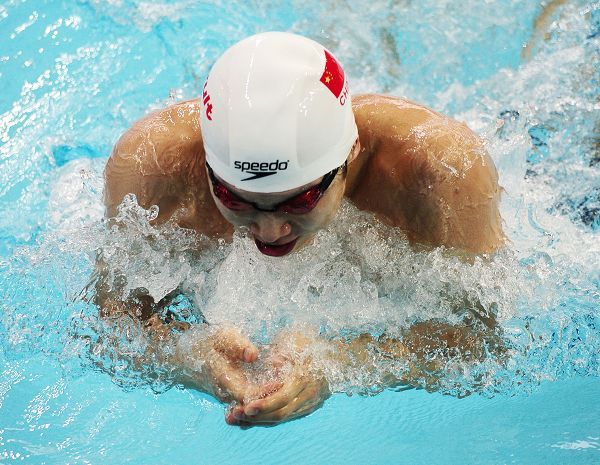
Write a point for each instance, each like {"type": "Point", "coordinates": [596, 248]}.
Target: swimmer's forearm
{"type": "Point", "coordinates": [181, 348]}
{"type": "Point", "coordinates": [406, 365]}
{"type": "Point", "coordinates": [208, 359]}
{"type": "Point", "coordinates": [194, 357]}
{"type": "Point", "coordinates": [161, 338]}
{"type": "Point", "coordinates": [420, 357]}
{"type": "Point", "coordinates": [163, 347]}
{"type": "Point", "coordinates": [188, 356]}
{"type": "Point", "coordinates": [364, 354]}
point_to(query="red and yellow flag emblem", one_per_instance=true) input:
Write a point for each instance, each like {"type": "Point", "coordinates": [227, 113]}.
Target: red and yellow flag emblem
{"type": "Point", "coordinates": [333, 76]}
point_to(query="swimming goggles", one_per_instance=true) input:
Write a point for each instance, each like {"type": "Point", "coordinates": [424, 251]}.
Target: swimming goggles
{"type": "Point", "coordinates": [299, 204]}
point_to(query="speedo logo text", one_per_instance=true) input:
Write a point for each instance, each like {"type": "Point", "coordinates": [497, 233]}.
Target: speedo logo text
{"type": "Point", "coordinates": [260, 169]}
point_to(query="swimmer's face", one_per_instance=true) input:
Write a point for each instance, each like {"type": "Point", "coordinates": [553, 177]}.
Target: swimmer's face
{"type": "Point", "coordinates": [278, 233]}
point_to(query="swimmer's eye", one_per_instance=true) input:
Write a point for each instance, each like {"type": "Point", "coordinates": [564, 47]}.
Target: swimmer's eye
{"type": "Point", "coordinates": [302, 203]}
{"type": "Point", "coordinates": [229, 199]}
{"type": "Point", "coordinates": [225, 196]}
{"type": "Point", "coordinates": [306, 201]}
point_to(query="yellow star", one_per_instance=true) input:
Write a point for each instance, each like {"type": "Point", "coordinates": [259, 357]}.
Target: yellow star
{"type": "Point", "coordinates": [327, 79]}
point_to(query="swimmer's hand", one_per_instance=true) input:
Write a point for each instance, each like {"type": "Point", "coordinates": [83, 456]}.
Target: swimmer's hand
{"type": "Point", "coordinates": [215, 363]}
{"type": "Point", "coordinates": [302, 388]}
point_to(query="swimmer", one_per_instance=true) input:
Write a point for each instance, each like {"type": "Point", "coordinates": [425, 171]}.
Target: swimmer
{"type": "Point", "coordinates": [273, 145]}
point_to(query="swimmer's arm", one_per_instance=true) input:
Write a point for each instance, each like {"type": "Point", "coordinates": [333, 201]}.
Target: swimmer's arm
{"type": "Point", "coordinates": [159, 159]}
{"type": "Point", "coordinates": [201, 358]}
{"type": "Point", "coordinates": [421, 354]}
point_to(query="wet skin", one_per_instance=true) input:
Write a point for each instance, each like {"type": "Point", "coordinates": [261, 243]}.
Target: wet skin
{"type": "Point", "coordinates": [414, 169]}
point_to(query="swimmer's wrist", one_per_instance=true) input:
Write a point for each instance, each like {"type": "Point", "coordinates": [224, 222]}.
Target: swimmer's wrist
{"type": "Point", "coordinates": [190, 347]}
{"type": "Point", "coordinates": [189, 355]}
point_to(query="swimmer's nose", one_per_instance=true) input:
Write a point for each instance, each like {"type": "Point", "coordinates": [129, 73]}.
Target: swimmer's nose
{"type": "Point", "coordinates": [269, 228]}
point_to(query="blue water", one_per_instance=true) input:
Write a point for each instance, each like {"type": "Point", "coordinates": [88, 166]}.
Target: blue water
{"type": "Point", "coordinates": [62, 423]}
{"type": "Point", "coordinates": [74, 76]}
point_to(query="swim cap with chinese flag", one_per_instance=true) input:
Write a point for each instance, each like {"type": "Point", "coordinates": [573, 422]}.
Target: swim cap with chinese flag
{"type": "Point", "coordinates": [333, 76]}
{"type": "Point", "coordinates": [276, 113]}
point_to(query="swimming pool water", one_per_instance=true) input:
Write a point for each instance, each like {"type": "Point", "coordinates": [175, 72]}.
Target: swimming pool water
{"type": "Point", "coordinates": [75, 75]}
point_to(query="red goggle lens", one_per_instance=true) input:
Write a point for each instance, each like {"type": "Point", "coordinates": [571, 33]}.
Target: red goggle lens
{"type": "Point", "coordinates": [229, 199]}
{"type": "Point", "coordinates": [298, 205]}
{"type": "Point", "coordinates": [302, 203]}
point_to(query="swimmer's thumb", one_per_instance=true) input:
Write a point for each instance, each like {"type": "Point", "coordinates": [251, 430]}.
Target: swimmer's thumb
{"type": "Point", "coordinates": [234, 345]}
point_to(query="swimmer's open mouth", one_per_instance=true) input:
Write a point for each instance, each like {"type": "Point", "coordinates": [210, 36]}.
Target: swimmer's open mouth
{"type": "Point", "coordinates": [275, 250]}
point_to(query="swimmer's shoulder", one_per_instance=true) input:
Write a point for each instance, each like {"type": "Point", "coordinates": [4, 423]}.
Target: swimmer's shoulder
{"type": "Point", "coordinates": [160, 160]}
{"type": "Point", "coordinates": [397, 127]}
{"type": "Point", "coordinates": [380, 116]}
{"type": "Point", "coordinates": [420, 165]}
{"type": "Point", "coordinates": [166, 142]}
{"type": "Point", "coordinates": [386, 127]}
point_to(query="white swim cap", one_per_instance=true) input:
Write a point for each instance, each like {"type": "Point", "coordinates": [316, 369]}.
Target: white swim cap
{"type": "Point", "coordinates": [276, 113]}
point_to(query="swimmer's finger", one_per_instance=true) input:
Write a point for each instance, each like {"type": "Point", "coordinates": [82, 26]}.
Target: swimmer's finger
{"type": "Point", "coordinates": [305, 403]}
{"type": "Point", "coordinates": [283, 396]}
{"type": "Point", "coordinates": [234, 345]}
{"type": "Point", "coordinates": [234, 412]}
{"type": "Point", "coordinates": [265, 390]}
{"type": "Point", "coordinates": [230, 418]}
{"type": "Point", "coordinates": [231, 382]}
